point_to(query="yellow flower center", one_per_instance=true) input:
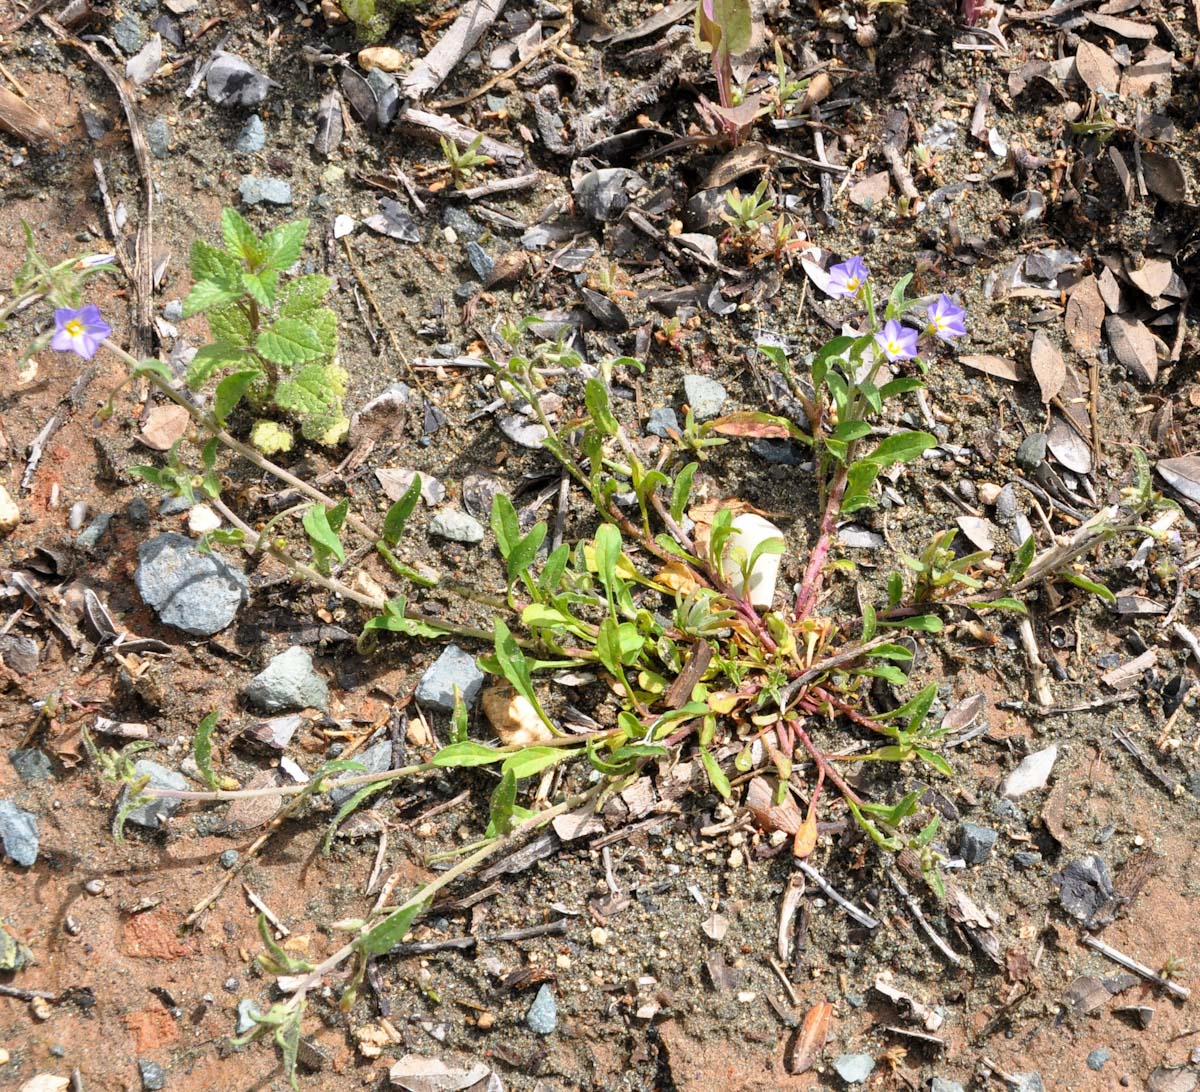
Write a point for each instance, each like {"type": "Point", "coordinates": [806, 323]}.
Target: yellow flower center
{"type": "Point", "coordinates": [852, 283]}
{"type": "Point", "coordinates": [893, 346]}
{"type": "Point", "coordinates": [74, 327]}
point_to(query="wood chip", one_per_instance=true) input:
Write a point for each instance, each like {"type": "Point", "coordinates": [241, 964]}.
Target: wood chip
{"type": "Point", "coordinates": [24, 122]}
{"type": "Point", "coordinates": [1096, 68]}
{"type": "Point", "coordinates": [872, 191]}
{"type": "Point", "coordinates": [1047, 365]}
{"type": "Point", "coordinates": [998, 366]}
{"type": "Point", "coordinates": [1182, 474]}
{"type": "Point", "coordinates": [1125, 675]}
{"type": "Point", "coordinates": [1084, 315]}
{"type": "Point", "coordinates": [808, 1043]}
{"type": "Point", "coordinates": [1133, 345]}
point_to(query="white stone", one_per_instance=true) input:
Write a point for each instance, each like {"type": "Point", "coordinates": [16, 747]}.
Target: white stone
{"type": "Point", "coordinates": [749, 530]}
{"type": "Point", "coordinates": [202, 519]}
{"type": "Point", "coordinates": [1031, 774]}
{"type": "Point", "coordinates": [10, 514]}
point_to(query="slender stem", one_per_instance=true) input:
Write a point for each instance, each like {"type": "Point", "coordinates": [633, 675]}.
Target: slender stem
{"type": "Point", "coordinates": [822, 762]}
{"type": "Point", "coordinates": [287, 790]}
{"type": "Point", "coordinates": [810, 586]}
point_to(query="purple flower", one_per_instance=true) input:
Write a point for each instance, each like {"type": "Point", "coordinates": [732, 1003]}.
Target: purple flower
{"type": "Point", "coordinates": [79, 331]}
{"type": "Point", "coordinates": [848, 277]}
{"type": "Point", "coordinates": [897, 342]}
{"type": "Point", "coordinates": [946, 318]}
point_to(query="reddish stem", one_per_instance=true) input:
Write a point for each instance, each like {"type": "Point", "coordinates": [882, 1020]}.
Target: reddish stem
{"type": "Point", "coordinates": [823, 763]}
{"type": "Point", "coordinates": [848, 710]}
{"type": "Point", "coordinates": [810, 586]}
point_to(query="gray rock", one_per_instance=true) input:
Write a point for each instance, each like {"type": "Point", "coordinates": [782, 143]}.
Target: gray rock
{"type": "Point", "coordinates": [197, 593]}
{"type": "Point", "coordinates": [289, 681]}
{"type": "Point", "coordinates": [975, 843]}
{"type": "Point", "coordinates": [1027, 1082]}
{"type": "Point", "coordinates": [230, 81]}
{"type": "Point", "coordinates": [137, 511]}
{"type": "Point", "coordinates": [377, 759]}
{"type": "Point", "coordinates": [228, 859]}
{"type": "Point", "coordinates": [19, 654]}
{"type": "Point", "coordinates": [1027, 859]}
{"type": "Point", "coordinates": [154, 813]}
{"type": "Point", "coordinates": [854, 1068]}
{"type": "Point", "coordinates": [465, 226]}
{"type": "Point", "coordinates": [542, 1017]}
{"type": "Point", "coordinates": [387, 96]}
{"type": "Point", "coordinates": [174, 506]}
{"type": "Point", "coordinates": [128, 33]}
{"type": "Point", "coordinates": [154, 1077]}
{"type": "Point", "coordinates": [247, 1009]}
{"type": "Point", "coordinates": [158, 136]}
{"type": "Point", "coordinates": [940, 1084]}
{"type": "Point", "coordinates": [457, 526]}
{"type": "Point", "coordinates": [1086, 891]}
{"type": "Point", "coordinates": [705, 396]}
{"type": "Point", "coordinates": [481, 261]}
{"type": "Point", "coordinates": [18, 833]}
{"type": "Point", "coordinates": [252, 138]}
{"type": "Point", "coordinates": [452, 668]}
{"type": "Point", "coordinates": [603, 194]}
{"type": "Point", "coordinates": [31, 764]}
{"type": "Point", "coordinates": [1097, 1058]}
{"type": "Point", "coordinates": [1032, 452]}
{"type": "Point", "coordinates": [662, 422]}
{"type": "Point", "coordinates": [780, 452]}
{"type": "Point", "coordinates": [173, 310]}
{"type": "Point", "coordinates": [274, 191]}
{"type": "Point", "coordinates": [94, 532]}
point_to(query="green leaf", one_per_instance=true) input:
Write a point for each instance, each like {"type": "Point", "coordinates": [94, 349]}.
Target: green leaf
{"type": "Point", "coordinates": [210, 359]}
{"type": "Point", "coordinates": [716, 776]}
{"type": "Point", "coordinates": [301, 294]}
{"type": "Point", "coordinates": [608, 554]}
{"type": "Point", "coordinates": [1089, 586]}
{"type": "Point", "coordinates": [240, 239]}
{"type": "Point", "coordinates": [554, 569]}
{"type": "Point", "coordinates": [859, 479]}
{"type": "Point", "coordinates": [928, 833]}
{"type": "Point", "coordinates": [915, 710]}
{"type": "Point", "coordinates": [886, 672]}
{"type": "Point", "coordinates": [504, 799]}
{"type": "Point", "coordinates": [399, 513]}
{"type": "Point", "coordinates": [289, 342]}
{"type": "Point", "coordinates": [890, 652]}
{"type": "Point", "coordinates": [321, 534]}
{"type": "Point", "coordinates": [1023, 560]}
{"type": "Point", "coordinates": [230, 392]}
{"type": "Point", "coordinates": [1005, 602]}
{"type": "Point", "coordinates": [261, 287]}
{"type": "Point", "coordinates": [869, 622]}
{"type": "Point", "coordinates": [206, 294]}
{"type": "Point", "coordinates": [525, 551]}
{"type": "Point", "coordinates": [383, 937]}
{"type": "Point", "coordinates": [210, 263]}
{"type": "Point", "coordinates": [505, 525]}
{"type": "Point", "coordinates": [921, 623]}
{"type": "Point", "coordinates": [515, 668]}
{"type": "Point", "coordinates": [308, 393]}
{"type": "Point", "coordinates": [532, 760]}
{"type": "Point", "coordinates": [896, 302]}
{"type": "Point", "coordinates": [682, 490]}
{"type": "Point", "coordinates": [895, 589]}
{"type": "Point", "coordinates": [902, 385]}
{"type": "Point", "coordinates": [202, 748]}
{"type": "Point", "coordinates": [903, 447]}
{"type": "Point", "coordinates": [595, 396]}
{"type": "Point", "coordinates": [608, 646]}
{"type": "Point", "coordinates": [229, 323]}
{"type": "Point", "coordinates": [932, 758]}
{"type": "Point", "coordinates": [851, 430]}
{"type": "Point", "coordinates": [393, 620]}
{"type": "Point", "coordinates": [468, 753]}
{"type": "Point", "coordinates": [281, 247]}
{"type": "Point", "coordinates": [325, 322]}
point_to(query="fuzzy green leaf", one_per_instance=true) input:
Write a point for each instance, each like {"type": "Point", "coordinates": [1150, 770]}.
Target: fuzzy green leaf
{"type": "Point", "coordinates": [383, 937]}
{"type": "Point", "coordinates": [229, 323]}
{"type": "Point", "coordinates": [230, 392]}
{"type": "Point", "coordinates": [270, 437]}
{"type": "Point", "coordinates": [261, 287]}
{"type": "Point", "coordinates": [239, 237]}
{"type": "Point", "coordinates": [281, 246]}
{"type": "Point", "coordinates": [202, 748]}
{"type": "Point", "coordinates": [399, 513]}
{"type": "Point", "coordinates": [206, 294]}
{"type": "Point", "coordinates": [289, 342]}
{"type": "Point", "coordinates": [308, 393]}
{"type": "Point", "coordinates": [468, 754]}
{"type": "Point", "coordinates": [301, 294]}
{"type": "Point", "coordinates": [716, 776]}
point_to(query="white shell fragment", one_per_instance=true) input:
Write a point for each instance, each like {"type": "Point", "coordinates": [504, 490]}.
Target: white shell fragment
{"type": "Point", "coordinates": [749, 530]}
{"type": "Point", "coordinates": [1031, 774]}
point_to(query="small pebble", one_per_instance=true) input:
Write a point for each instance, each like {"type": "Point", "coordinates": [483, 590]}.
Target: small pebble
{"type": "Point", "coordinates": [854, 1068]}
{"type": "Point", "coordinates": [229, 858]}
{"type": "Point", "coordinates": [252, 138]}
{"type": "Point", "coordinates": [154, 1076]}
{"type": "Point", "coordinates": [1097, 1058]}
{"type": "Point", "coordinates": [542, 1017]}
{"type": "Point", "coordinates": [705, 396]}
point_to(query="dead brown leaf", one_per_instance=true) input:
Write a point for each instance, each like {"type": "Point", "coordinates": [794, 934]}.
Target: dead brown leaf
{"type": "Point", "coordinates": [23, 121]}
{"type": "Point", "coordinates": [769, 816]}
{"type": "Point", "coordinates": [1164, 177]}
{"type": "Point", "coordinates": [998, 366]}
{"type": "Point", "coordinates": [1144, 78]}
{"type": "Point", "coordinates": [808, 1043]}
{"type": "Point", "coordinates": [1084, 314]}
{"type": "Point", "coordinates": [1096, 68]}
{"type": "Point", "coordinates": [1126, 28]}
{"type": "Point", "coordinates": [1047, 364]}
{"type": "Point", "coordinates": [1152, 277]}
{"type": "Point", "coordinates": [1133, 345]}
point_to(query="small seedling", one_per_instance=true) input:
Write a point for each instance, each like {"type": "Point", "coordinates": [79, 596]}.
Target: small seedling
{"type": "Point", "coordinates": [749, 213]}
{"type": "Point", "coordinates": [463, 163]}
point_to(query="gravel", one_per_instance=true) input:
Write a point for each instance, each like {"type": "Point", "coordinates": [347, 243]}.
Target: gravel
{"type": "Point", "coordinates": [289, 681]}
{"type": "Point", "coordinates": [542, 1017]}
{"type": "Point", "coordinates": [270, 191]}
{"type": "Point", "coordinates": [854, 1068]}
{"type": "Point", "coordinates": [247, 1009]}
{"type": "Point", "coordinates": [158, 136]}
{"type": "Point", "coordinates": [661, 423]}
{"type": "Point", "coordinates": [31, 764]}
{"type": "Point", "coordinates": [18, 833]}
{"type": "Point", "coordinates": [454, 667]}
{"type": "Point", "coordinates": [705, 396]}
{"type": "Point", "coordinates": [975, 843]}
{"type": "Point", "coordinates": [456, 526]}
{"type": "Point", "coordinates": [153, 1075]}
{"type": "Point", "coordinates": [252, 138]}
{"type": "Point", "coordinates": [197, 593]}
